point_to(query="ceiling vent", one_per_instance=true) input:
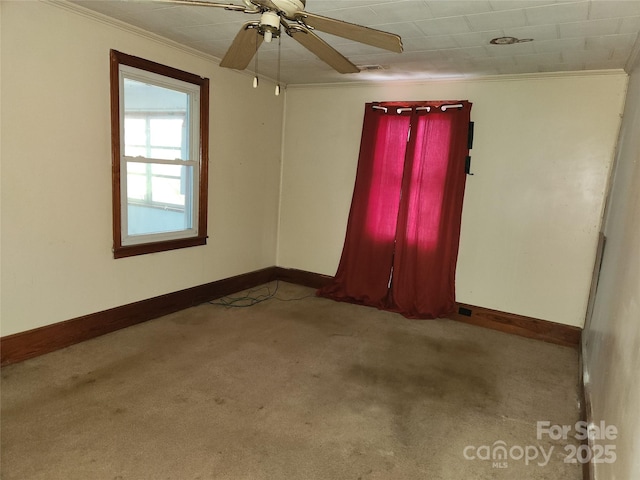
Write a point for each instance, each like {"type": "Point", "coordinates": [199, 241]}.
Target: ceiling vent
{"type": "Point", "coordinates": [369, 68]}
{"type": "Point", "coordinates": [509, 40]}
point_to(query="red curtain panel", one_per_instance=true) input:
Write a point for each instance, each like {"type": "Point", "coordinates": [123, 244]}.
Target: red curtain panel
{"type": "Point", "coordinates": [365, 266]}
{"type": "Point", "coordinates": [403, 231]}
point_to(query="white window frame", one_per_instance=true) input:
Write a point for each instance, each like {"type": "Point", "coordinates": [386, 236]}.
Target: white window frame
{"type": "Point", "coordinates": [193, 122]}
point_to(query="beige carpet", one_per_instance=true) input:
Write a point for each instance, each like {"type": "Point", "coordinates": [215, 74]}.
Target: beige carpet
{"type": "Point", "coordinates": [303, 389]}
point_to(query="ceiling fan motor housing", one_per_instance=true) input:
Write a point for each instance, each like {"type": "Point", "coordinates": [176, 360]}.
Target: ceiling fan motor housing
{"type": "Point", "coordinates": [290, 7]}
{"type": "Point", "coordinates": [269, 25]}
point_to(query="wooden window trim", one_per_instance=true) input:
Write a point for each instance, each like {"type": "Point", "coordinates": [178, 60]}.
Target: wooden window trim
{"type": "Point", "coordinates": [119, 250]}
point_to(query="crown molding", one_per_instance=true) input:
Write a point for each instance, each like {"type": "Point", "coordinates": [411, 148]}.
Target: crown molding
{"type": "Point", "coordinates": [119, 24]}
{"type": "Point", "coordinates": [634, 59]}
{"type": "Point", "coordinates": [466, 79]}
{"type": "Point", "coordinates": [104, 19]}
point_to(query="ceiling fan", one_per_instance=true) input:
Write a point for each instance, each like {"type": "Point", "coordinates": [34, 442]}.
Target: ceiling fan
{"type": "Point", "coordinates": [299, 24]}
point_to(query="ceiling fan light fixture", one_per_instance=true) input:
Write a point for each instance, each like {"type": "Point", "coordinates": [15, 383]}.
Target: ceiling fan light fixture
{"type": "Point", "coordinates": [269, 25]}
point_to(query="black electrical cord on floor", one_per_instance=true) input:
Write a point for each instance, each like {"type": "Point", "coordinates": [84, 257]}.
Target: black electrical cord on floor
{"type": "Point", "coordinates": [250, 298]}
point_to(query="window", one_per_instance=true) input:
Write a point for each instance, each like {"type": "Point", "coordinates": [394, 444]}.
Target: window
{"type": "Point", "coordinates": [159, 129]}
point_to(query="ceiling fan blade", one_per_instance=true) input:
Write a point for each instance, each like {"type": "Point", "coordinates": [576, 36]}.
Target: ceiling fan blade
{"type": "Point", "coordinates": [322, 49]}
{"type": "Point", "coordinates": [204, 3]}
{"type": "Point", "coordinates": [351, 31]}
{"type": "Point", "coordinates": [243, 48]}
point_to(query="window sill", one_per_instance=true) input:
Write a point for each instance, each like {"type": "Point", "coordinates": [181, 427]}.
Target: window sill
{"type": "Point", "coordinates": [144, 248]}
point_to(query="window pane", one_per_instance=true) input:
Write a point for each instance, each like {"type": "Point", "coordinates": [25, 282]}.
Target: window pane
{"type": "Point", "coordinates": [135, 137]}
{"type": "Point", "coordinates": [145, 219]}
{"type": "Point", "coordinates": [166, 132]}
{"type": "Point", "coordinates": [136, 182]}
{"type": "Point", "coordinates": [170, 170]}
{"type": "Point", "coordinates": [131, 151]}
{"type": "Point", "coordinates": [167, 190]}
{"type": "Point", "coordinates": [155, 117]}
{"type": "Point", "coordinates": [157, 198]}
{"type": "Point", "coordinates": [133, 167]}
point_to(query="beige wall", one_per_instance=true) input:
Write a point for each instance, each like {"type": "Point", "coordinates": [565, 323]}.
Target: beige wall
{"type": "Point", "coordinates": [56, 171]}
{"type": "Point", "coordinates": [532, 211]}
{"type": "Point", "coordinates": [541, 158]}
{"type": "Point", "coordinates": [612, 338]}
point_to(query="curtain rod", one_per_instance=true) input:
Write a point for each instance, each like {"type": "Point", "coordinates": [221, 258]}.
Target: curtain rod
{"type": "Point", "coordinates": [427, 109]}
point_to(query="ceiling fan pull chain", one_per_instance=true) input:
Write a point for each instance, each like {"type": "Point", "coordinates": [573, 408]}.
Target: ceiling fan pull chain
{"type": "Point", "coordinates": [279, 53]}
{"type": "Point", "coordinates": [255, 78]}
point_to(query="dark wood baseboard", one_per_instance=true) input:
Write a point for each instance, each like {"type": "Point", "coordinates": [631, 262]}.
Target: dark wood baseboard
{"type": "Point", "coordinates": [505, 322]}
{"type": "Point", "coordinates": [301, 277]}
{"type": "Point", "coordinates": [24, 345]}
{"type": "Point", "coordinates": [484, 317]}
{"type": "Point", "coordinates": [518, 324]}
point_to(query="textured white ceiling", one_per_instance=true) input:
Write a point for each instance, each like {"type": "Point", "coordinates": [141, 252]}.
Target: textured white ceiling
{"type": "Point", "coordinates": [442, 38]}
